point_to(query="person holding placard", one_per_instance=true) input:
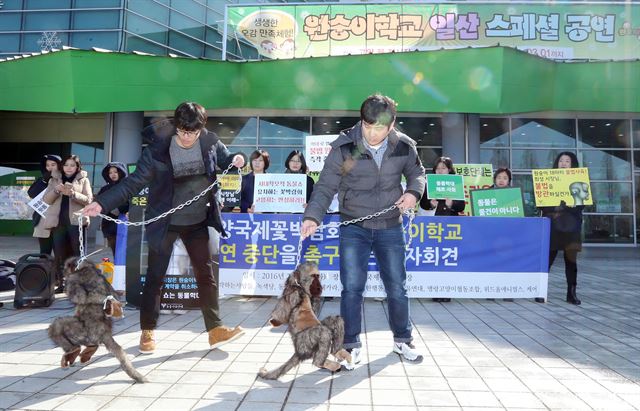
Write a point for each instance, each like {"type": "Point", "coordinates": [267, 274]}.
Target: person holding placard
{"type": "Point", "coordinates": [259, 162]}
{"type": "Point", "coordinates": [566, 230]}
{"type": "Point", "coordinates": [442, 207]}
{"type": "Point", "coordinates": [113, 173]}
{"type": "Point", "coordinates": [365, 167]}
{"type": "Point", "coordinates": [296, 164]}
{"type": "Point", "coordinates": [48, 164]}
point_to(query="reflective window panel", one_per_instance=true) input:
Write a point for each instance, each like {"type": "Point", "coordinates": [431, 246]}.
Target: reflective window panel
{"type": "Point", "coordinates": [494, 132]}
{"type": "Point", "coordinates": [604, 133]}
{"type": "Point", "coordinates": [614, 229]}
{"type": "Point", "coordinates": [531, 132]}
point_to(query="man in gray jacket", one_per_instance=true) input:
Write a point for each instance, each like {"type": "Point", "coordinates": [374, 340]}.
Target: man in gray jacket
{"type": "Point", "coordinates": [365, 166]}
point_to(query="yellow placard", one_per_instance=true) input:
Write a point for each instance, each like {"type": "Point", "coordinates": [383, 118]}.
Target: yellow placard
{"type": "Point", "coordinates": [229, 182]}
{"type": "Point", "coordinates": [553, 185]}
{"type": "Point", "coordinates": [475, 177]}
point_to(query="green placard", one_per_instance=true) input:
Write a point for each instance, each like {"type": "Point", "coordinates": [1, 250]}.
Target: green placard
{"type": "Point", "coordinates": [497, 202]}
{"type": "Point", "coordinates": [445, 186]}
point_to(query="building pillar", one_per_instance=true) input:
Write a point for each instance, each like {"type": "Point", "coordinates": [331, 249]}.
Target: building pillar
{"type": "Point", "coordinates": [123, 141]}
{"type": "Point", "coordinates": [453, 137]}
{"type": "Point", "coordinates": [473, 139]}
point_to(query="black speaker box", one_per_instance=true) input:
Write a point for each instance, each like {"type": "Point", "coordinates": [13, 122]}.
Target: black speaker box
{"type": "Point", "coordinates": [35, 281]}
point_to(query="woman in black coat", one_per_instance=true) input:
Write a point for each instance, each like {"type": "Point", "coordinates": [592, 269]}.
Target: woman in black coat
{"type": "Point", "coordinates": [259, 161]}
{"type": "Point", "coordinates": [296, 164]}
{"type": "Point", "coordinates": [113, 173]}
{"type": "Point", "coordinates": [566, 230]}
{"type": "Point", "coordinates": [448, 207]}
{"type": "Point", "coordinates": [443, 165]}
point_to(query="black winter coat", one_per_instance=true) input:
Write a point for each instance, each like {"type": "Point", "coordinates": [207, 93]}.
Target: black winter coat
{"type": "Point", "coordinates": [154, 170]}
{"type": "Point", "coordinates": [109, 228]}
{"type": "Point", "coordinates": [566, 226]}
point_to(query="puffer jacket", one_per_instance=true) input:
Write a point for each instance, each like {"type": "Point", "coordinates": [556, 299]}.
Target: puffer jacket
{"type": "Point", "coordinates": [362, 187]}
{"type": "Point", "coordinates": [155, 170]}
{"type": "Point", "coordinates": [82, 196]}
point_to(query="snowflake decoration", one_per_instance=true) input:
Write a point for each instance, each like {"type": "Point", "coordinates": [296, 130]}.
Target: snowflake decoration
{"type": "Point", "coordinates": [49, 40]}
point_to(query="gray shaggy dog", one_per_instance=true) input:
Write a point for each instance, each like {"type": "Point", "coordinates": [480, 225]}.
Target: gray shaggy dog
{"type": "Point", "coordinates": [298, 307]}
{"type": "Point", "coordinates": [90, 325]}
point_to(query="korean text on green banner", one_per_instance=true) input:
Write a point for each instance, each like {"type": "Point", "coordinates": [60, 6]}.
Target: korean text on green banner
{"type": "Point", "coordinates": [445, 186]}
{"type": "Point", "coordinates": [497, 202]}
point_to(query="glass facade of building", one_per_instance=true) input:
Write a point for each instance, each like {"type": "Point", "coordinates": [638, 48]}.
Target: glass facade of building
{"type": "Point", "coordinates": [189, 28]}
{"type": "Point", "coordinates": [608, 147]}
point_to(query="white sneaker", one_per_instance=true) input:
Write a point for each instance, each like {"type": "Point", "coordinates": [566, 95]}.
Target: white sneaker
{"type": "Point", "coordinates": [407, 351]}
{"type": "Point", "coordinates": [355, 359]}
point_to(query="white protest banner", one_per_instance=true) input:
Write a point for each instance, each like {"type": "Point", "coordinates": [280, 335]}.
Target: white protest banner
{"type": "Point", "coordinates": [282, 193]}
{"type": "Point", "coordinates": [316, 150]}
{"type": "Point", "coordinates": [38, 205]}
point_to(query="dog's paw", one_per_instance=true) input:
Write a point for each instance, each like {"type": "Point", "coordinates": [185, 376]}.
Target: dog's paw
{"type": "Point", "coordinates": [331, 365]}
{"type": "Point", "coordinates": [343, 355]}
{"type": "Point", "coordinates": [86, 354]}
{"type": "Point", "coordinates": [275, 323]}
{"type": "Point", "coordinates": [69, 358]}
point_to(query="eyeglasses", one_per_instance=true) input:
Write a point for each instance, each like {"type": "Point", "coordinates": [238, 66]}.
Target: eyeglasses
{"type": "Point", "coordinates": [188, 133]}
{"type": "Point", "coordinates": [295, 160]}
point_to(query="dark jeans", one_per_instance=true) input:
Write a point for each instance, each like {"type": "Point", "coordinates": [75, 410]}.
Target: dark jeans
{"type": "Point", "coordinates": [356, 244]}
{"type": "Point", "coordinates": [46, 245]}
{"type": "Point", "coordinates": [196, 241]}
{"type": "Point", "coordinates": [570, 264]}
{"type": "Point", "coordinates": [66, 243]}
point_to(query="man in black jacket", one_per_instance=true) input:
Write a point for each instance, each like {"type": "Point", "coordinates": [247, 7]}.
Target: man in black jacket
{"type": "Point", "coordinates": [179, 162]}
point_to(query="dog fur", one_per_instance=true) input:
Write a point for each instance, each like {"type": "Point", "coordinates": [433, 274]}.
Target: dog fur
{"type": "Point", "coordinates": [91, 324]}
{"type": "Point", "coordinates": [298, 307]}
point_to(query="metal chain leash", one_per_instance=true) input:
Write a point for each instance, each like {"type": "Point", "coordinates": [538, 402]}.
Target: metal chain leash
{"type": "Point", "coordinates": [151, 220]}
{"type": "Point", "coordinates": [405, 229]}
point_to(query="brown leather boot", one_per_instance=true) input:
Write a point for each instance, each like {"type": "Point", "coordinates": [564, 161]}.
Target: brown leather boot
{"type": "Point", "coordinates": [147, 342]}
{"type": "Point", "coordinates": [221, 335]}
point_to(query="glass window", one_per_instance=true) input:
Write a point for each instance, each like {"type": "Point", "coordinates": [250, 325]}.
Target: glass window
{"type": "Point", "coordinates": [12, 5]}
{"type": "Point", "coordinates": [189, 8]}
{"type": "Point", "coordinates": [332, 125]}
{"type": "Point", "coordinates": [531, 132]}
{"type": "Point", "coordinates": [186, 25]}
{"type": "Point", "coordinates": [97, 3]}
{"type": "Point", "coordinates": [212, 53]}
{"type": "Point", "coordinates": [236, 131]}
{"type": "Point", "coordinates": [10, 21]}
{"type": "Point", "coordinates": [635, 124]}
{"type": "Point", "coordinates": [426, 131]}
{"type": "Point", "coordinates": [428, 156]}
{"type": "Point", "coordinates": [637, 206]}
{"type": "Point", "coordinates": [47, 20]}
{"type": "Point", "coordinates": [611, 198]}
{"type": "Point", "coordinates": [36, 42]}
{"type": "Point", "coordinates": [530, 159]}
{"type": "Point", "coordinates": [525, 182]}
{"type": "Point", "coordinates": [494, 132]}
{"type": "Point", "coordinates": [150, 9]}
{"type": "Point", "coordinates": [47, 4]}
{"type": "Point", "coordinates": [185, 44]}
{"type": "Point", "coordinates": [607, 164]}
{"type": "Point", "coordinates": [604, 133]}
{"type": "Point", "coordinates": [636, 160]}
{"type": "Point", "coordinates": [86, 40]}
{"type": "Point", "coordinates": [146, 28]}
{"type": "Point", "coordinates": [96, 19]}
{"type": "Point", "coordinates": [9, 43]}
{"type": "Point", "coordinates": [616, 229]}
{"type": "Point", "coordinates": [288, 131]}
{"type": "Point", "coordinates": [495, 157]}
{"type": "Point", "coordinates": [140, 44]}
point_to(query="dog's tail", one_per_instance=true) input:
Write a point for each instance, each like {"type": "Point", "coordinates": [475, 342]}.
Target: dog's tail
{"type": "Point", "coordinates": [275, 374]}
{"type": "Point", "coordinates": [115, 349]}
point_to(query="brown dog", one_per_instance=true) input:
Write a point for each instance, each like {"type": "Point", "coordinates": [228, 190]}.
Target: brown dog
{"type": "Point", "coordinates": [311, 337]}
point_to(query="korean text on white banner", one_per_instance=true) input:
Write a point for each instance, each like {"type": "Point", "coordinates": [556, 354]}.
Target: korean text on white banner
{"type": "Point", "coordinates": [282, 193]}
{"type": "Point", "coordinates": [316, 150]}
{"type": "Point", "coordinates": [459, 257]}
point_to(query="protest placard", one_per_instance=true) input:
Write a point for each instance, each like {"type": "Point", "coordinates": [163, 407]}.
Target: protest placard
{"type": "Point", "coordinates": [475, 177]}
{"type": "Point", "coordinates": [282, 193]}
{"type": "Point", "coordinates": [497, 202]}
{"type": "Point", "coordinates": [553, 185]}
{"type": "Point", "coordinates": [443, 186]}
{"type": "Point", "coordinates": [316, 150]}
{"type": "Point", "coordinates": [230, 189]}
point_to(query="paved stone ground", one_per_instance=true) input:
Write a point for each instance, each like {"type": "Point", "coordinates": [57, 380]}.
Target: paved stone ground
{"type": "Point", "coordinates": [479, 355]}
